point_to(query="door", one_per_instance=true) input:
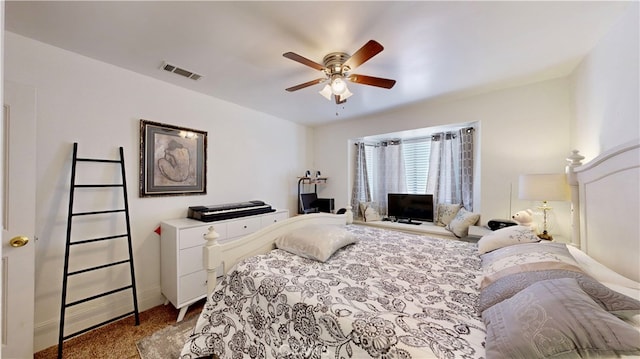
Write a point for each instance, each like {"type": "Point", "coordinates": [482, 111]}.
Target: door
{"type": "Point", "coordinates": [18, 220]}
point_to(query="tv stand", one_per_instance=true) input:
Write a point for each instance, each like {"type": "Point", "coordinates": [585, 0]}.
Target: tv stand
{"type": "Point", "coordinates": [408, 221]}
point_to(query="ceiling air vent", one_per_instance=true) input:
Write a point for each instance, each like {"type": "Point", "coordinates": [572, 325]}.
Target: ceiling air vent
{"type": "Point", "coordinates": [181, 71]}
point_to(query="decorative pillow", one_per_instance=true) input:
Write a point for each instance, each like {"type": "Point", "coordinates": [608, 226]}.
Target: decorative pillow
{"type": "Point", "coordinates": [555, 318]}
{"type": "Point", "coordinates": [316, 241]}
{"type": "Point", "coordinates": [511, 269]}
{"type": "Point", "coordinates": [461, 222]}
{"type": "Point", "coordinates": [446, 213]}
{"type": "Point", "coordinates": [508, 286]}
{"type": "Point", "coordinates": [506, 237]}
{"type": "Point", "coordinates": [370, 211]}
{"type": "Point", "coordinates": [536, 256]}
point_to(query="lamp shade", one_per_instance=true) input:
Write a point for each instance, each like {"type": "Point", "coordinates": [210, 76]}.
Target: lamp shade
{"type": "Point", "coordinates": [543, 187]}
{"type": "Point", "coordinates": [326, 92]}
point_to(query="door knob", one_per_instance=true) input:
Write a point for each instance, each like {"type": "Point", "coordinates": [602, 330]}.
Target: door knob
{"type": "Point", "coordinates": [18, 241]}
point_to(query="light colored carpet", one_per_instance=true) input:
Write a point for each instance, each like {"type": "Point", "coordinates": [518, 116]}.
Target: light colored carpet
{"type": "Point", "coordinates": [168, 342]}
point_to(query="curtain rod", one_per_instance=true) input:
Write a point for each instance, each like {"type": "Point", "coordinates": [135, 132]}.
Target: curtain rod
{"type": "Point", "coordinates": [470, 129]}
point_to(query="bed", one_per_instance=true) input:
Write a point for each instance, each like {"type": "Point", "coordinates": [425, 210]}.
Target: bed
{"type": "Point", "coordinates": [336, 290]}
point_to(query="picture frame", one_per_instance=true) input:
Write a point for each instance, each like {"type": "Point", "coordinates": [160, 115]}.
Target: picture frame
{"type": "Point", "coordinates": [173, 160]}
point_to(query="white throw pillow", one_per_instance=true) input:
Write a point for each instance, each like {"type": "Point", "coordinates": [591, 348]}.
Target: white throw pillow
{"type": "Point", "coordinates": [446, 213]}
{"type": "Point", "coordinates": [461, 222]}
{"type": "Point", "coordinates": [506, 237]}
{"type": "Point", "coordinates": [316, 241]}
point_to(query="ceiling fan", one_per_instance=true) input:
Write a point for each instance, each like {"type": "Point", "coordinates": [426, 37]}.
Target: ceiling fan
{"type": "Point", "coordinates": [337, 67]}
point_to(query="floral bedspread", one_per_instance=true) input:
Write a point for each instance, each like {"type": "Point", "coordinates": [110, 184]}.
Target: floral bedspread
{"type": "Point", "coordinates": [392, 295]}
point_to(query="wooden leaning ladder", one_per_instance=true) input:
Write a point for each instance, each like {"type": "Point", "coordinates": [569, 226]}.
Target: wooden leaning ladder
{"type": "Point", "coordinates": [70, 243]}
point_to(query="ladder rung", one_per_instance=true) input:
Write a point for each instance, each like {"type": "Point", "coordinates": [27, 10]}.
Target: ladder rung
{"type": "Point", "coordinates": [98, 267]}
{"type": "Point", "coordinates": [98, 185]}
{"type": "Point", "coordinates": [98, 325]}
{"type": "Point", "coordinates": [97, 239]}
{"type": "Point", "coordinates": [96, 160]}
{"type": "Point", "coordinates": [97, 212]}
{"type": "Point", "coordinates": [97, 296]}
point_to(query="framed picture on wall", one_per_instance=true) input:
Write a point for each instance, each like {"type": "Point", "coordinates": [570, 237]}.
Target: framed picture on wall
{"type": "Point", "coordinates": [173, 160]}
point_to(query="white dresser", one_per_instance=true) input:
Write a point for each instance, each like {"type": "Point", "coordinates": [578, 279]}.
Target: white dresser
{"type": "Point", "coordinates": [183, 279]}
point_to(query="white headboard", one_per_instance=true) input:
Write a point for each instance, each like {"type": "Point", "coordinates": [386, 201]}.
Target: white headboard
{"type": "Point", "coordinates": [607, 226]}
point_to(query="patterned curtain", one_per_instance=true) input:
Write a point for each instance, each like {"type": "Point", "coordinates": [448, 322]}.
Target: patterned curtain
{"type": "Point", "coordinates": [390, 173]}
{"type": "Point", "coordinates": [361, 188]}
{"type": "Point", "coordinates": [450, 177]}
{"type": "Point", "coordinates": [466, 166]}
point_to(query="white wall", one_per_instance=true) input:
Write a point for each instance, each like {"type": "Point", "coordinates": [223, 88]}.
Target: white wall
{"type": "Point", "coordinates": [521, 130]}
{"type": "Point", "coordinates": [250, 156]}
{"type": "Point", "coordinates": [606, 89]}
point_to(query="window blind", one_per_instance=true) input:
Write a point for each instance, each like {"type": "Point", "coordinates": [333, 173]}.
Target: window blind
{"type": "Point", "coordinates": [416, 154]}
{"type": "Point", "coordinates": [371, 165]}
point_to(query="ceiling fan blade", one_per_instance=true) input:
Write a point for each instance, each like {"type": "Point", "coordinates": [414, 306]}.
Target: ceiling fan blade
{"type": "Point", "coordinates": [303, 60]}
{"type": "Point", "coordinates": [369, 50]}
{"type": "Point", "coordinates": [306, 84]}
{"type": "Point", "coordinates": [338, 102]}
{"type": "Point", "coordinates": [373, 81]}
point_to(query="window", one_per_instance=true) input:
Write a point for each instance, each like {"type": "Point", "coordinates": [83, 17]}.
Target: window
{"type": "Point", "coordinates": [415, 154]}
{"type": "Point", "coordinates": [406, 168]}
{"type": "Point", "coordinates": [371, 165]}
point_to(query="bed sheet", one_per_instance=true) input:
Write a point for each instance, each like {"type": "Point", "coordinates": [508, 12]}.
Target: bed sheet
{"type": "Point", "coordinates": [392, 295]}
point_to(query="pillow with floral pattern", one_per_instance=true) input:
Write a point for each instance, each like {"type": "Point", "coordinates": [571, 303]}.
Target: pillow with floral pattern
{"type": "Point", "coordinates": [446, 213]}
{"type": "Point", "coordinates": [507, 236]}
{"type": "Point", "coordinates": [459, 225]}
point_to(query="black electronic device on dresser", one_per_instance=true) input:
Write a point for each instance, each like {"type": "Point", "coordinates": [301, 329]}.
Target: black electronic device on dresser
{"type": "Point", "coordinates": [496, 224]}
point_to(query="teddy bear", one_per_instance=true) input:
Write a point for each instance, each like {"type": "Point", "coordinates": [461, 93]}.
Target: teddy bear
{"type": "Point", "coordinates": [525, 218]}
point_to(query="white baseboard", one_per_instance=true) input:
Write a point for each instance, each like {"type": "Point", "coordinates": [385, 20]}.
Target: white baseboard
{"type": "Point", "coordinates": [46, 332]}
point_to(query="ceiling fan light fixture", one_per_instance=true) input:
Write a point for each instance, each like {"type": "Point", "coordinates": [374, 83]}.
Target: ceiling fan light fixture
{"type": "Point", "coordinates": [326, 92]}
{"type": "Point", "coordinates": [338, 85]}
{"type": "Point", "coordinates": [345, 95]}
{"type": "Point", "coordinates": [336, 67]}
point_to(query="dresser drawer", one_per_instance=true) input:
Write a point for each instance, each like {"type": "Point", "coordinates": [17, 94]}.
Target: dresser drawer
{"type": "Point", "coordinates": [272, 218]}
{"type": "Point", "coordinates": [192, 286]}
{"type": "Point", "coordinates": [243, 227]}
{"type": "Point", "coordinates": [190, 260]}
{"type": "Point", "coordinates": [191, 237]}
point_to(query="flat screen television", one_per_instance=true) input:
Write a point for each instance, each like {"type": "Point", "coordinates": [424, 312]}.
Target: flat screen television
{"type": "Point", "coordinates": [407, 208]}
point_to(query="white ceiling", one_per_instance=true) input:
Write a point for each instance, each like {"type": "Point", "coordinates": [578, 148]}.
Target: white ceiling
{"type": "Point", "coordinates": [431, 48]}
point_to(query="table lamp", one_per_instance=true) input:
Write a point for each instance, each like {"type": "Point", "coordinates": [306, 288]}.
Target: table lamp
{"type": "Point", "coordinates": [544, 187]}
